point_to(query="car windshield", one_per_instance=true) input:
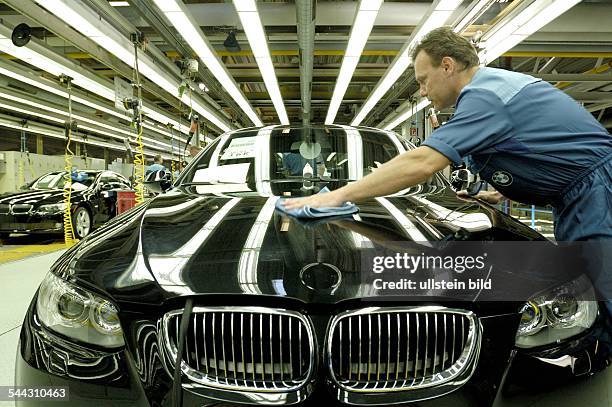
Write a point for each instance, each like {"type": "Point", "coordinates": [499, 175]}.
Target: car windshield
{"type": "Point", "coordinates": [279, 155]}
{"type": "Point", "coordinates": [55, 180]}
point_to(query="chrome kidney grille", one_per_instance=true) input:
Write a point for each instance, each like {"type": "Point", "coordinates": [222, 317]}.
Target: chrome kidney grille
{"type": "Point", "coordinates": [244, 348]}
{"type": "Point", "coordinates": [394, 349]}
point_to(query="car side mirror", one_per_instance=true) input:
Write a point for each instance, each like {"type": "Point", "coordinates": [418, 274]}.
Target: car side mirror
{"type": "Point", "coordinates": [158, 181]}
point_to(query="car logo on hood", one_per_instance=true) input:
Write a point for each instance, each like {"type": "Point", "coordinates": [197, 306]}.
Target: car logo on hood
{"type": "Point", "coordinates": [321, 276]}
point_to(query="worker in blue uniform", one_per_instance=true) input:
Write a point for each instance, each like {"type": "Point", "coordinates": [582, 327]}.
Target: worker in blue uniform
{"type": "Point", "coordinates": [158, 165]}
{"type": "Point", "coordinates": [529, 140]}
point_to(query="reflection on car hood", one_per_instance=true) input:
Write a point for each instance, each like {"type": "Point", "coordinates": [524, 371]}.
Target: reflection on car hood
{"type": "Point", "coordinates": [183, 243]}
{"type": "Point", "coordinates": [36, 197]}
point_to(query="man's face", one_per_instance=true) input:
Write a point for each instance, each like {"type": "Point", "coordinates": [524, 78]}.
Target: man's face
{"type": "Point", "coordinates": [435, 83]}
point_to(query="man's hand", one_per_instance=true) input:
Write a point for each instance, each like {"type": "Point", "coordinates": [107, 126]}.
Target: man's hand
{"type": "Point", "coordinates": [492, 197]}
{"type": "Point", "coordinates": [327, 200]}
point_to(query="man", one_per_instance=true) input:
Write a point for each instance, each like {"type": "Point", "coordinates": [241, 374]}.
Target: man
{"type": "Point", "coordinates": [531, 141]}
{"type": "Point", "coordinates": [158, 165]}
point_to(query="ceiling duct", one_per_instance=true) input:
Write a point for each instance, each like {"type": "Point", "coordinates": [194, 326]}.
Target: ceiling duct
{"type": "Point", "coordinates": [306, 13]}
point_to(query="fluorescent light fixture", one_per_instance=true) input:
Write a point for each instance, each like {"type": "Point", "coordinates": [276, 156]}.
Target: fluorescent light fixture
{"type": "Point", "coordinates": [42, 107]}
{"type": "Point", "coordinates": [32, 54]}
{"type": "Point", "coordinates": [472, 14]}
{"type": "Point", "coordinates": [84, 20]}
{"type": "Point", "coordinates": [179, 16]}
{"type": "Point", "coordinates": [507, 36]}
{"type": "Point", "coordinates": [362, 27]}
{"type": "Point", "coordinates": [251, 23]}
{"type": "Point", "coordinates": [119, 3]}
{"type": "Point", "coordinates": [421, 104]}
{"type": "Point", "coordinates": [438, 13]}
{"type": "Point", "coordinates": [528, 21]}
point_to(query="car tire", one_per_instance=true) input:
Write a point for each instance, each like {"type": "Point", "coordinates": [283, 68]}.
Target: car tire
{"type": "Point", "coordinates": [81, 222]}
{"type": "Point", "coordinates": [4, 236]}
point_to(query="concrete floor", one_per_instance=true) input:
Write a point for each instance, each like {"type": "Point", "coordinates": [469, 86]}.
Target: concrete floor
{"type": "Point", "coordinates": [19, 280]}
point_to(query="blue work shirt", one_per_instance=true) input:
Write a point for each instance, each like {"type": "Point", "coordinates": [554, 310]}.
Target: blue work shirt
{"type": "Point", "coordinates": [532, 142]}
{"type": "Point", "coordinates": [155, 167]}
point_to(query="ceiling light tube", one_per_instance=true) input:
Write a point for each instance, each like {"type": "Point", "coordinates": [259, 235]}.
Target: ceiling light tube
{"type": "Point", "coordinates": [472, 14]}
{"type": "Point", "coordinates": [91, 25]}
{"type": "Point", "coordinates": [421, 104]}
{"type": "Point", "coordinates": [251, 23]}
{"type": "Point", "coordinates": [179, 16]}
{"type": "Point", "coordinates": [63, 113]}
{"type": "Point", "coordinates": [438, 13]}
{"type": "Point", "coordinates": [509, 34]}
{"type": "Point", "coordinates": [35, 58]}
{"type": "Point", "coordinates": [528, 21]}
{"type": "Point", "coordinates": [367, 10]}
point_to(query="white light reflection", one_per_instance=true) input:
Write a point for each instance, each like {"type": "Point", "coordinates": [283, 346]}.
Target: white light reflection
{"type": "Point", "coordinates": [247, 265]}
{"type": "Point", "coordinates": [406, 224]}
{"type": "Point", "coordinates": [455, 220]}
{"type": "Point", "coordinates": [167, 268]}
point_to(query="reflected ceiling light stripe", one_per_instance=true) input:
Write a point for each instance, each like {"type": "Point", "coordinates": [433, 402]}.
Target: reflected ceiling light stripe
{"type": "Point", "coordinates": [262, 161]}
{"type": "Point", "coordinates": [214, 160]}
{"type": "Point", "coordinates": [367, 10]}
{"type": "Point", "coordinates": [249, 257]}
{"type": "Point", "coordinates": [180, 18]}
{"type": "Point", "coordinates": [251, 23]}
{"type": "Point", "coordinates": [189, 248]}
{"type": "Point", "coordinates": [354, 149]}
{"type": "Point", "coordinates": [174, 209]}
{"type": "Point", "coordinates": [472, 222]}
{"type": "Point", "coordinates": [440, 12]}
{"type": "Point", "coordinates": [412, 231]}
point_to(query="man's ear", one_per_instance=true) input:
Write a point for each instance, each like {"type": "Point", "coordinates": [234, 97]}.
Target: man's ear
{"type": "Point", "coordinates": [448, 65]}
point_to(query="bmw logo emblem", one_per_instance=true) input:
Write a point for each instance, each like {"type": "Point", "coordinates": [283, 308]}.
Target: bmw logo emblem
{"type": "Point", "coordinates": [502, 178]}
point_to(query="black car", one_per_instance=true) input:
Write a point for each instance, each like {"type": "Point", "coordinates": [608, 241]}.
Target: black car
{"type": "Point", "coordinates": [39, 206]}
{"type": "Point", "coordinates": [260, 308]}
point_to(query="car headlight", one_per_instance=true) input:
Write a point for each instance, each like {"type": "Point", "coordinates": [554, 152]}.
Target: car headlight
{"type": "Point", "coordinates": [559, 314]}
{"type": "Point", "coordinates": [52, 208]}
{"type": "Point", "coordinates": [77, 313]}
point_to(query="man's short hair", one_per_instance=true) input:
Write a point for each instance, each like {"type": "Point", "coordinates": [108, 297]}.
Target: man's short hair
{"type": "Point", "coordinates": [444, 42]}
{"type": "Point", "coordinates": [158, 159]}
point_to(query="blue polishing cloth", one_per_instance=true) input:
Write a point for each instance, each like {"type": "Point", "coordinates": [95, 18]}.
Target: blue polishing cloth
{"type": "Point", "coordinates": [306, 212]}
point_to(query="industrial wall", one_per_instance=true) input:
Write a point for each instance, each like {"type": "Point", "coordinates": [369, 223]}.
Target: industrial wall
{"type": "Point", "coordinates": [18, 168]}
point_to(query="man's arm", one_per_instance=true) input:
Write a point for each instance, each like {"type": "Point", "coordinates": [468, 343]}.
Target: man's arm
{"type": "Point", "coordinates": [408, 169]}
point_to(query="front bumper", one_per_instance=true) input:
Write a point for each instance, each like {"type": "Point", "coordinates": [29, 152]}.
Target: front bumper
{"type": "Point", "coordinates": [31, 223]}
{"type": "Point", "coordinates": [137, 375]}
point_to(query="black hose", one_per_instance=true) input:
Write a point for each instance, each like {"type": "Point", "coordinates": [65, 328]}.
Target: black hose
{"type": "Point", "coordinates": [177, 393]}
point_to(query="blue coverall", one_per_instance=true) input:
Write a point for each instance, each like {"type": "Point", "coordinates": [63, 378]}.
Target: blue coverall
{"type": "Point", "coordinates": [535, 145]}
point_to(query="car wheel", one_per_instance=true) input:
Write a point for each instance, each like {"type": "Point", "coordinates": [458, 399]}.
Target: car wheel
{"type": "Point", "coordinates": [4, 236]}
{"type": "Point", "coordinates": [81, 222]}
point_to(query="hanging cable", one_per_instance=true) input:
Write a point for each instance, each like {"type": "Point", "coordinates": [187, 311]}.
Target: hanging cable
{"type": "Point", "coordinates": [68, 156]}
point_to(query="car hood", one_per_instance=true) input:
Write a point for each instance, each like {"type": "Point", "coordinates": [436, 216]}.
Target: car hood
{"type": "Point", "coordinates": [36, 197]}
{"type": "Point", "coordinates": [187, 243]}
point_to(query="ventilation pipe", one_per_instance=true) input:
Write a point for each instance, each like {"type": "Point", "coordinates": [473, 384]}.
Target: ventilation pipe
{"type": "Point", "coordinates": [306, 12]}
